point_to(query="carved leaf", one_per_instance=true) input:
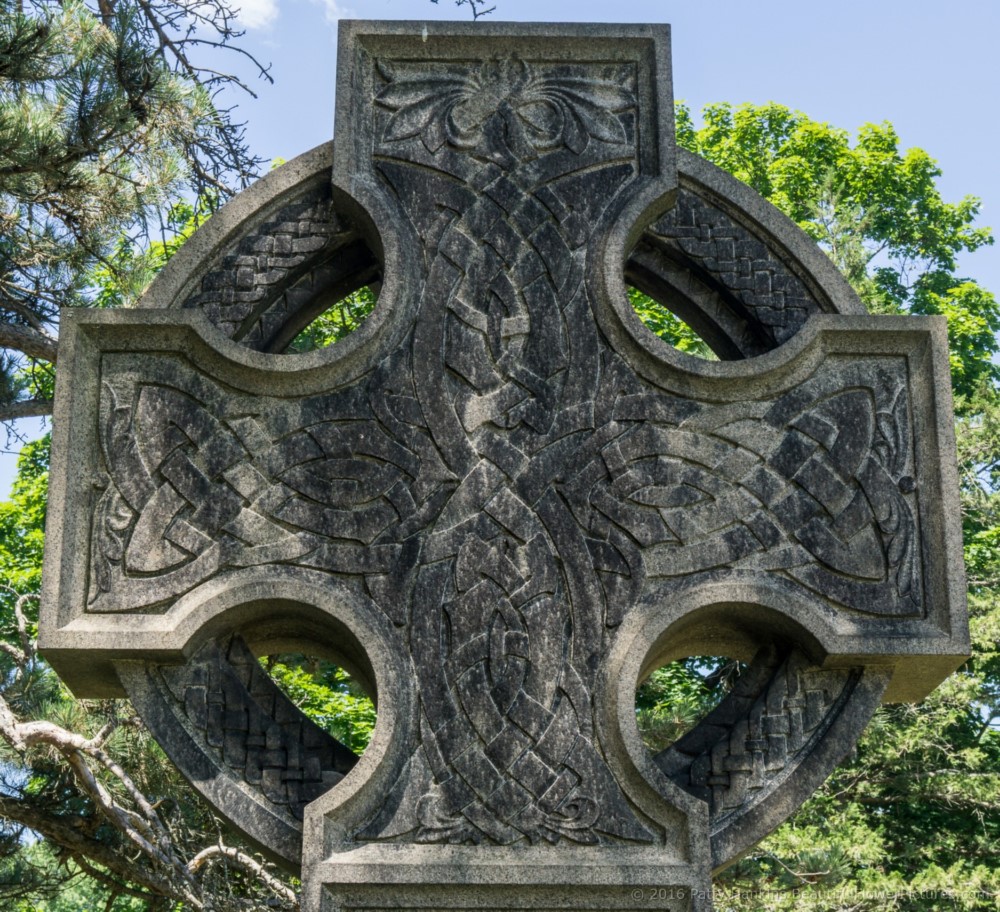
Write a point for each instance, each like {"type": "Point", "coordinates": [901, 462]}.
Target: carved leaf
{"type": "Point", "coordinates": [597, 121]}
{"type": "Point", "coordinates": [599, 93]}
{"type": "Point", "coordinates": [415, 117]}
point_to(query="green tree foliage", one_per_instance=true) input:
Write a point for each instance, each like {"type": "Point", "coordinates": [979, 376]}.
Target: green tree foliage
{"type": "Point", "coordinates": [327, 695]}
{"type": "Point", "coordinates": [121, 278]}
{"type": "Point", "coordinates": [22, 525]}
{"type": "Point", "coordinates": [107, 114]}
{"type": "Point", "coordinates": [343, 318]}
{"type": "Point", "coordinates": [674, 698]}
{"type": "Point", "coordinates": [668, 327]}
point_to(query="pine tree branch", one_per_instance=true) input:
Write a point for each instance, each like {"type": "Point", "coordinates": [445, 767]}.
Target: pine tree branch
{"type": "Point", "coordinates": [27, 313]}
{"type": "Point", "coordinates": [67, 833]}
{"type": "Point", "coordinates": [27, 408]}
{"type": "Point", "coordinates": [101, 877]}
{"type": "Point", "coordinates": [142, 827]}
{"type": "Point", "coordinates": [29, 341]}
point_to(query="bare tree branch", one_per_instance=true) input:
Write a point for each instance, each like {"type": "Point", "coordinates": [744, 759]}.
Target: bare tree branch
{"type": "Point", "coordinates": [244, 861]}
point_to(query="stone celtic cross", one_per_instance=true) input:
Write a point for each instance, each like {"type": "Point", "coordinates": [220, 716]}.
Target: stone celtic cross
{"type": "Point", "coordinates": [502, 501]}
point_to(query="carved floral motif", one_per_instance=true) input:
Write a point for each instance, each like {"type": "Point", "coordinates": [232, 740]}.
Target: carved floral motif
{"type": "Point", "coordinates": [507, 102]}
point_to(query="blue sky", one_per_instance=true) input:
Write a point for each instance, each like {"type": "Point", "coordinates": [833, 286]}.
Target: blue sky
{"type": "Point", "coordinates": [934, 74]}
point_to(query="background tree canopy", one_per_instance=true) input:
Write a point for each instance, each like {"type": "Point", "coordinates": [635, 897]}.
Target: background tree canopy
{"type": "Point", "coordinates": [105, 118]}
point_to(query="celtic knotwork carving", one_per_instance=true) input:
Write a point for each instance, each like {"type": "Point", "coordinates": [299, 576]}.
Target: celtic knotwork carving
{"type": "Point", "coordinates": [514, 755]}
{"type": "Point", "coordinates": [783, 727]}
{"type": "Point", "coordinates": [818, 488]}
{"type": "Point", "coordinates": [502, 496]}
{"type": "Point", "coordinates": [205, 493]}
{"type": "Point", "coordinates": [736, 291]}
{"type": "Point", "coordinates": [278, 277]}
{"type": "Point", "coordinates": [715, 263]}
{"type": "Point", "coordinates": [761, 729]}
{"type": "Point", "coordinates": [256, 731]}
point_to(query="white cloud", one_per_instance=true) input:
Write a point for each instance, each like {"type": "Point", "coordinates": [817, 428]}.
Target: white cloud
{"type": "Point", "coordinates": [258, 14]}
{"type": "Point", "coordinates": [334, 10]}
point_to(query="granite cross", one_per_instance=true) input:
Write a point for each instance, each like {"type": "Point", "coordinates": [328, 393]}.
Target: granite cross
{"type": "Point", "coordinates": [502, 501]}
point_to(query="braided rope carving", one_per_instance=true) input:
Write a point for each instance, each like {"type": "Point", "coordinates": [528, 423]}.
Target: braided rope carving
{"type": "Point", "coordinates": [252, 728]}
{"type": "Point", "coordinates": [749, 744]}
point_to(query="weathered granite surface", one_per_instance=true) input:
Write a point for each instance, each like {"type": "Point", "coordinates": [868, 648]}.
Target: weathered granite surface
{"type": "Point", "coordinates": [502, 501]}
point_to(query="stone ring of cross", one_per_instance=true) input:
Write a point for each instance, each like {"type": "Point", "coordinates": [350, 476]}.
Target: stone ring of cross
{"type": "Point", "coordinates": [502, 501]}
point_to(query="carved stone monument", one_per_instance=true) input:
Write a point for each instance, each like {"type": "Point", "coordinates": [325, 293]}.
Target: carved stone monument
{"type": "Point", "coordinates": [503, 501]}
